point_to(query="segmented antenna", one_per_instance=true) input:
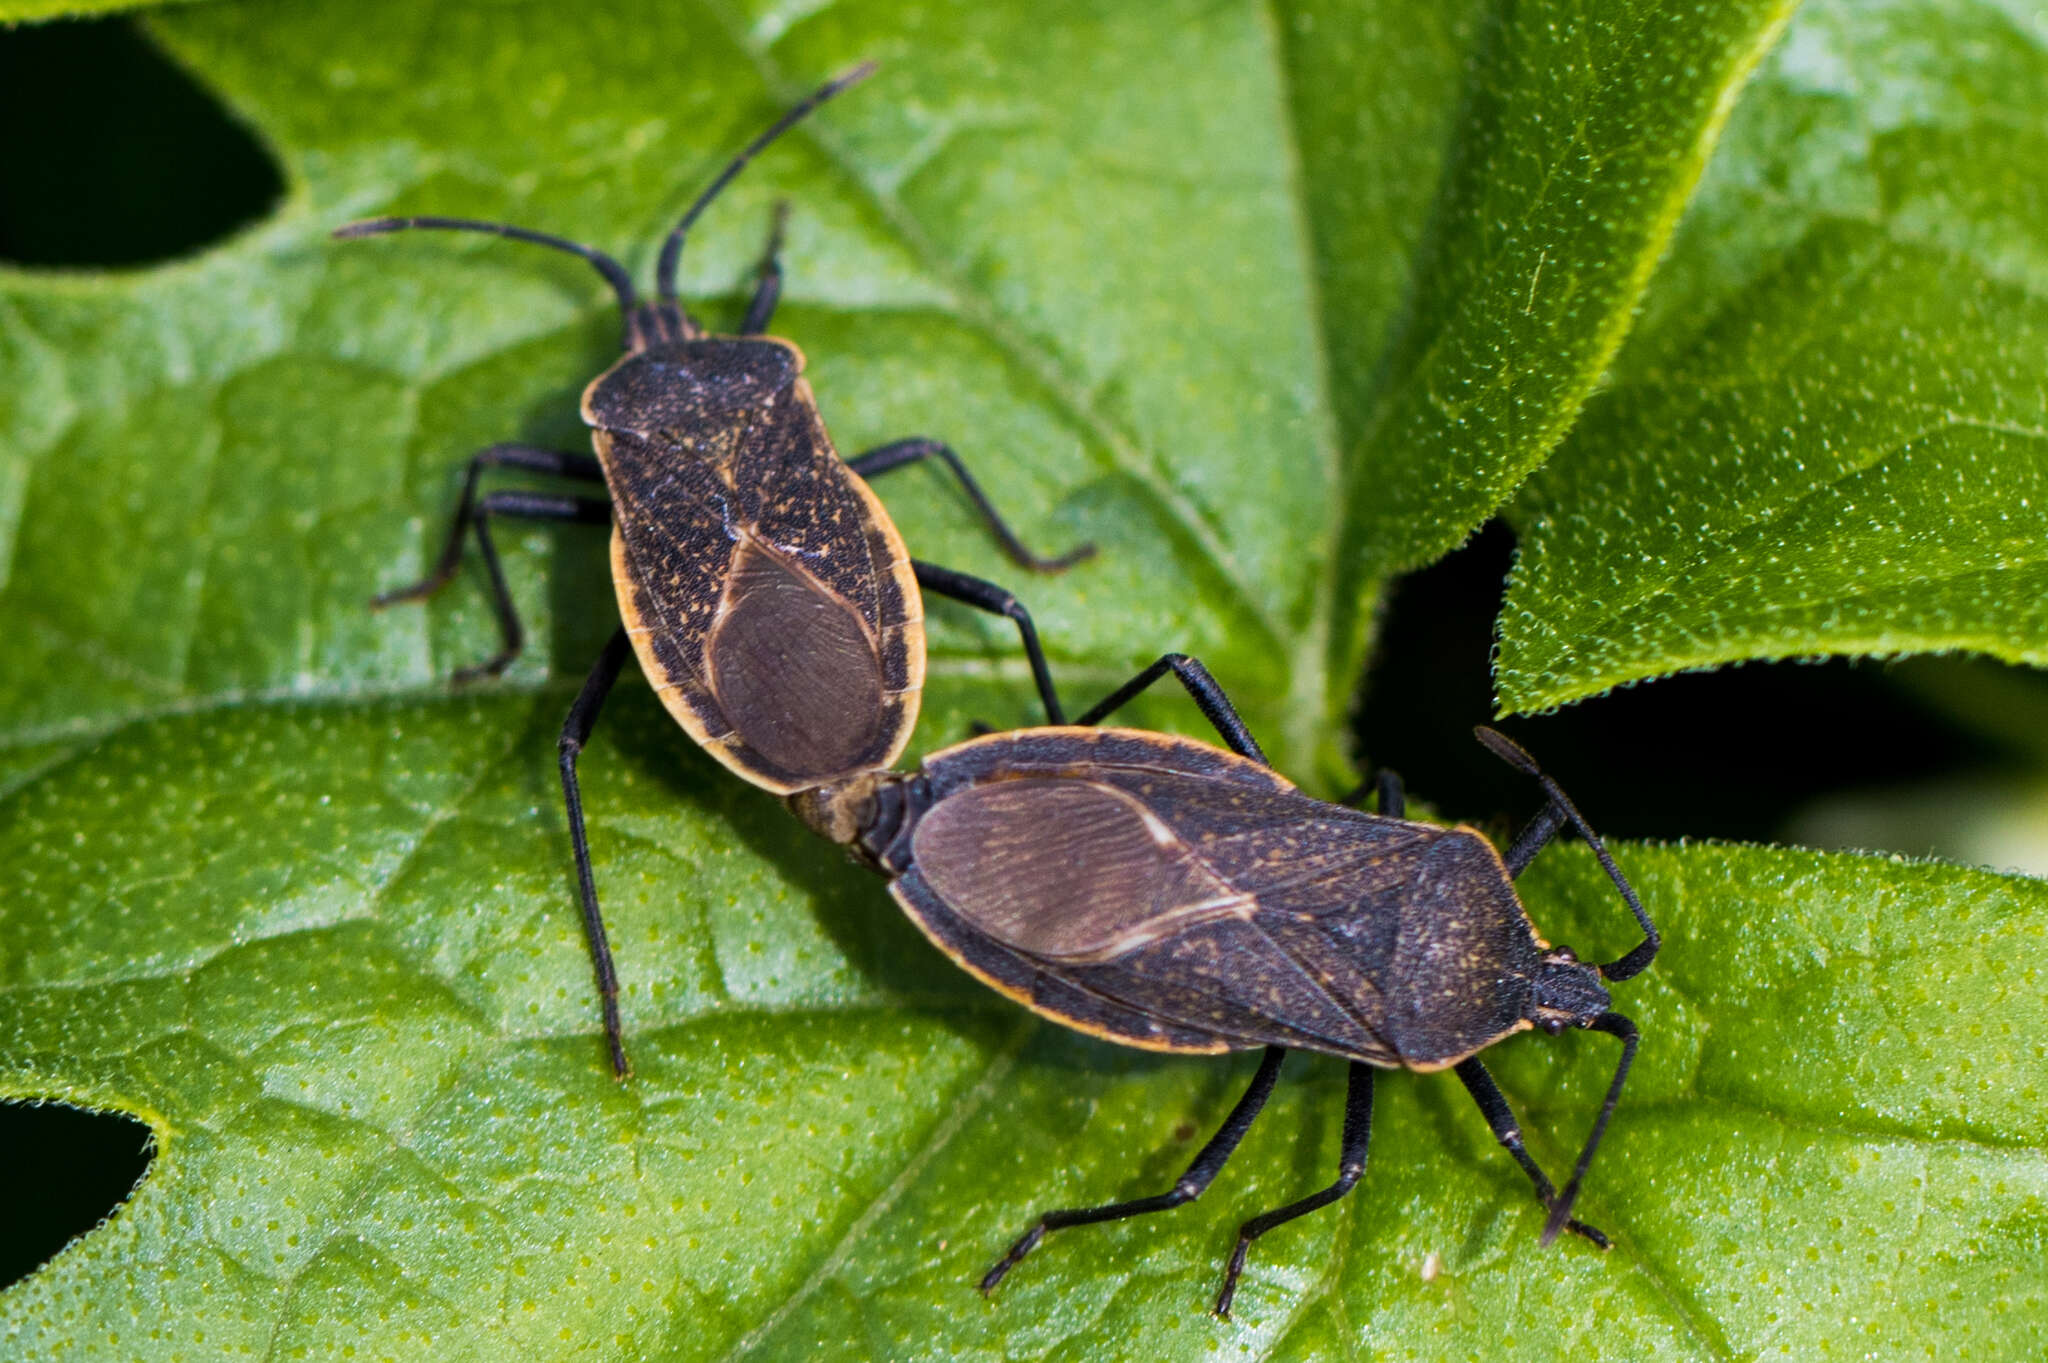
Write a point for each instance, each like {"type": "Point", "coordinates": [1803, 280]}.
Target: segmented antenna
{"type": "Point", "coordinates": [672, 248]}
{"type": "Point", "coordinates": [613, 272]}
{"type": "Point", "coordinates": [1516, 756]}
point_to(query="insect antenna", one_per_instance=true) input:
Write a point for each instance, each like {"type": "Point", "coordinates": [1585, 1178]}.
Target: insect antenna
{"type": "Point", "coordinates": [672, 248]}
{"type": "Point", "coordinates": [1615, 1025]}
{"type": "Point", "coordinates": [1516, 756]}
{"type": "Point", "coordinates": [613, 272]}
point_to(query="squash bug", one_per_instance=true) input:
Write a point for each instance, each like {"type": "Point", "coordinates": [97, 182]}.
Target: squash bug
{"type": "Point", "coordinates": [762, 588]}
{"type": "Point", "coordinates": [1162, 893]}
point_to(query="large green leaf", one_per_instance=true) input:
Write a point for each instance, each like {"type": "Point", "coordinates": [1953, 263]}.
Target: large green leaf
{"type": "Point", "coordinates": [971, 257]}
{"type": "Point", "coordinates": [1582, 127]}
{"type": "Point", "coordinates": [1828, 434]}
{"type": "Point", "coordinates": [360, 1024]}
{"type": "Point", "coordinates": [1169, 277]}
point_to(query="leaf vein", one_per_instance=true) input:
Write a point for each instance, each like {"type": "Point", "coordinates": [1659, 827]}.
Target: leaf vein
{"type": "Point", "coordinates": [963, 1107]}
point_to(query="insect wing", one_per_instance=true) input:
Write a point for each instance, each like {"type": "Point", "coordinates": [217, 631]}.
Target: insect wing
{"type": "Point", "coordinates": [1189, 888]}
{"type": "Point", "coordinates": [672, 517]}
{"type": "Point", "coordinates": [767, 596]}
{"type": "Point", "coordinates": [1108, 885]}
{"type": "Point", "coordinates": [1411, 931]}
{"type": "Point", "coordinates": [811, 511]}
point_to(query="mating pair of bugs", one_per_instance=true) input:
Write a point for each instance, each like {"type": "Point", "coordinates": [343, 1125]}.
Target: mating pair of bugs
{"type": "Point", "coordinates": [1151, 890]}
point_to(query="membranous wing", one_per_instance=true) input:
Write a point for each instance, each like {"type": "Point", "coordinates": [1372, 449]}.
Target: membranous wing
{"type": "Point", "coordinates": [1148, 892]}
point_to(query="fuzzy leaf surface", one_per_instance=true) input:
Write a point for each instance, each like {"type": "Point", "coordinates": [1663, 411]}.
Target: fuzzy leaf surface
{"type": "Point", "coordinates": [276, 890]}
{"type": "Point", "coordinates": [361, 1029]}
{"type": "Point", "coordinates": [1827, 435]}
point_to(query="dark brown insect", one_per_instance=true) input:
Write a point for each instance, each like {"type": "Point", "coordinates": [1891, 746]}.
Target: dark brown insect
{"type": "Point", "coordinates": [1162, 893]}
{"type": "Point", "coordinates": [763, 589]}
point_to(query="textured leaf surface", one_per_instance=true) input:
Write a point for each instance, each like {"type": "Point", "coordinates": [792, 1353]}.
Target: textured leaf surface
{"type": "Point", "coordinates": [276, 890]}
{"type": "Point", "coordinates": [362, 1032]}
{"type": "Point", "coordinates": [1828, 434]}
{"type": "Point", "coordinates": [1582, 129]}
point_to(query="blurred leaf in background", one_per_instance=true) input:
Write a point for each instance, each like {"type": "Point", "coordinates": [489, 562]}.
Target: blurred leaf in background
{"type": "Point", "coordinates": [1273, 304]}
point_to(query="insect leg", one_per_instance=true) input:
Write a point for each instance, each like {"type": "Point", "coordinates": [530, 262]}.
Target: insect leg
{"type": "Point", "coordinates": [575, 733]}
{"type": "Point", "coordinates": [987, 596]}
{"type": "Point", "coordinates": [1623, 1030]}
{"type": "Point", "coordinates": [1350, 1167]}
{"type": "Point", "coordinates": [1555, 815]}
{"type": "Point", "coordinates": [561, 465]}
{"type": "Point", "coordinates": [1393, 795]}
{"type": "Point", "coordinates": [1191, 1185]}
{"type": "Point", "coordinates": [1207, 693]}
{"type": "Point", "coordinates": [894, 455]}
{"type": "Point", "coordinates": [768, 292]}
{"type": "Point", "coordinates": [1494, 1105]}
{"type": "Point", "coordinates": [533, 506]}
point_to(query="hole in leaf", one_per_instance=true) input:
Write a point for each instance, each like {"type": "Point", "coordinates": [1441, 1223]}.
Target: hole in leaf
{"type": "Point", "coordinates": [65, 1169]}
{"type": "Point", "coordinates": [1724, 754]}
{"type": "Point", "coordinates": [114, 155]}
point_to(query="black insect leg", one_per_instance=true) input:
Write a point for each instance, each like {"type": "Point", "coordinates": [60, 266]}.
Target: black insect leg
{"type": "Point", "coordinates": [575, 733]}
{"type": "Point", "coordinates": [1207, 693]}
{"type": "Point", "coordinates": [1350, 1168]}
{"type": "Point", "coordinates": [532, 506]}
{"type": "Point", "coordinates": [1190, 1186]}
{"type": "Point", "coordinates": [886, 458]}
{"type": "Point", "coordinates": [1546, 824]}
{"type": "Point", "coordinates": [768, 292]}
{"type": "Point", "coordinates": [1623, 1030]}
{"type": "Point", "coordinates": [472, 512]}
{"type": "Point", "coordinates": [987, 596]}
{"type": "Point", "coordinates": [1494, 1105]}
{"type": "Point", "coordinates": [1393, 795]}
{"type": "Point", "coordinates": [526, 457]}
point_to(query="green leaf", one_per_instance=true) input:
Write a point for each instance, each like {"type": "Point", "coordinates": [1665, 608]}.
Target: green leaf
{"type": "Point", "coordinates": [303, 403]}
{"type": "Point", "coordinates": [1193, 415]}
{"type": "Point", "coordinates": [32, 11]}
{"type": "Point", "coordinates": [1582, 129]}
{"type": "Point", "coordinates": [384, 1121]}
{"type": "Point", "coordinates": [1196, 283]}
{"type": "Point", "coordinates": [1827, 434]}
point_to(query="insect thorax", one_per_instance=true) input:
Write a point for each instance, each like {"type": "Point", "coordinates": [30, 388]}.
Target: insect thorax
{"type": "Point", "coordinates": [693, 385]}
{"type": "Point", "coordinates": [869, 814]}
